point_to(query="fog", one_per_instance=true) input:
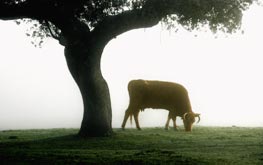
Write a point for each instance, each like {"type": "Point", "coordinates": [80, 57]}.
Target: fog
{"type": "Point", "coordinates": [222, 74]}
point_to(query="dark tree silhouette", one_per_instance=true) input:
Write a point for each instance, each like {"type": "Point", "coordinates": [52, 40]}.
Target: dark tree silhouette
{"type": "Point", "coordinates": [84, 27]}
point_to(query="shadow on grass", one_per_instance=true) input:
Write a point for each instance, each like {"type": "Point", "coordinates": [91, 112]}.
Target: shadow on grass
{"type": "Point", "coordinates": [71, 149]}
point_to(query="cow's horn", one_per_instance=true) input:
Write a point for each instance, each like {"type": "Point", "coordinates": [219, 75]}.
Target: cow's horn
{"type": "Point", "coordinates": [184, 116]}
{"type": "Point", "coordinates": [198, 115]}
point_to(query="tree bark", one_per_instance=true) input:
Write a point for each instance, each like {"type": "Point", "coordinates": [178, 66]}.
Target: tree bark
{"type": "Point", "coordinates": [84, 65]}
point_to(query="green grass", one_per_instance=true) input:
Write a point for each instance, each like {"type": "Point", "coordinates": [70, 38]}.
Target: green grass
{"type": "Point", "coordinates": [205, 145]}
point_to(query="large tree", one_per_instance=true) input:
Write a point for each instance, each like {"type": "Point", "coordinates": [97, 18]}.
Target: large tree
{"type": "Point", "coordinates": [84, 27]}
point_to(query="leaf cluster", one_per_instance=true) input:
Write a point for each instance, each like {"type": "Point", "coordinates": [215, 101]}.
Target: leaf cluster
{"type": "Point", "coordinates": [93, 11]}
{"type": "Point", "coordinates": [36, 30]}
{"type": "Point", "coordinates": [219, 15]}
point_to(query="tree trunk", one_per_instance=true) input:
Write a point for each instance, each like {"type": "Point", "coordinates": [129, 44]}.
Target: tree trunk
{"type": "Point", "coordinates": [84, 65]}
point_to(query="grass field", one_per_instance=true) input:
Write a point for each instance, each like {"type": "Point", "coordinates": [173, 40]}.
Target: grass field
{"type": "Point", "coordinates": [205, 145]}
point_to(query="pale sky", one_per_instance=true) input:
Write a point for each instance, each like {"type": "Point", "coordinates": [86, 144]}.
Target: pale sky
{"type": "Point", "coordinates": [222, 75]}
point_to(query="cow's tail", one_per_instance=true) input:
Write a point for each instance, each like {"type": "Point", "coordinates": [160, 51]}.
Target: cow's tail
{"type": "Point", "coordinates": [131, 119]}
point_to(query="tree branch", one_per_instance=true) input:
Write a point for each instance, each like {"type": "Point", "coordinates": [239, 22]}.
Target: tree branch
{"type": "Point", "coordinates": [113, 26]}
{"type": "Point", "coordinates": [149, 15]}
{"type": "Point", "coordinates": [51, 31]}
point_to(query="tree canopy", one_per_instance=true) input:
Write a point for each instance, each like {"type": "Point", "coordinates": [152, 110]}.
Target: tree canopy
{"type": "Point", "coordinates": [222, 15]}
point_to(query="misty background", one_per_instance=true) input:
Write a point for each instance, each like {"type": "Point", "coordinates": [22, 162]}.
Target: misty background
{"type": "Point", "coordinates": [223, 75]}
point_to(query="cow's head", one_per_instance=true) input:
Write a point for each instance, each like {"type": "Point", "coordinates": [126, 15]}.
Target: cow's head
{"type": "Point", "coordinates": [189, 119]}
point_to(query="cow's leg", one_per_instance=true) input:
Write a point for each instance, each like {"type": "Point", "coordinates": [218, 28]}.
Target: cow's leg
{"type": "Point", "coordinates": [126, 116]}
{"type": "Point", "coordinates": [170, 116]}
{"type": "Point", "coordinates": [136, 115]}
{"type": "Point", "coordinates": [174, 123]}
{"type": "Point", "coordinates": [168, 121]}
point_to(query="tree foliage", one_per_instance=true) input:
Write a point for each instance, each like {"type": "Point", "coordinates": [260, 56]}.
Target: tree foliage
{"type": "Point", "coordinates": [224, 15]}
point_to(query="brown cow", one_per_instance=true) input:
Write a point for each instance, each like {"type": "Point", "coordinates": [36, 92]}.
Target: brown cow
{"type": "Point", "coordinates": [160, 95]}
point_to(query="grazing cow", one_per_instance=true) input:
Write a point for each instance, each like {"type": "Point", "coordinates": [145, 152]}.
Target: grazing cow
{"type": "Point", "coordinates": [160, 95]}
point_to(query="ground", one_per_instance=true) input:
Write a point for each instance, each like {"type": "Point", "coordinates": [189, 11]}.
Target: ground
{"type": "Point", "coordinates": [205, 145]}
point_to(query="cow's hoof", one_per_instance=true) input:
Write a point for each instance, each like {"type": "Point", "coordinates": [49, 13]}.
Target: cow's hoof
{"type": "Point", "coordinates": [175, 129]}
